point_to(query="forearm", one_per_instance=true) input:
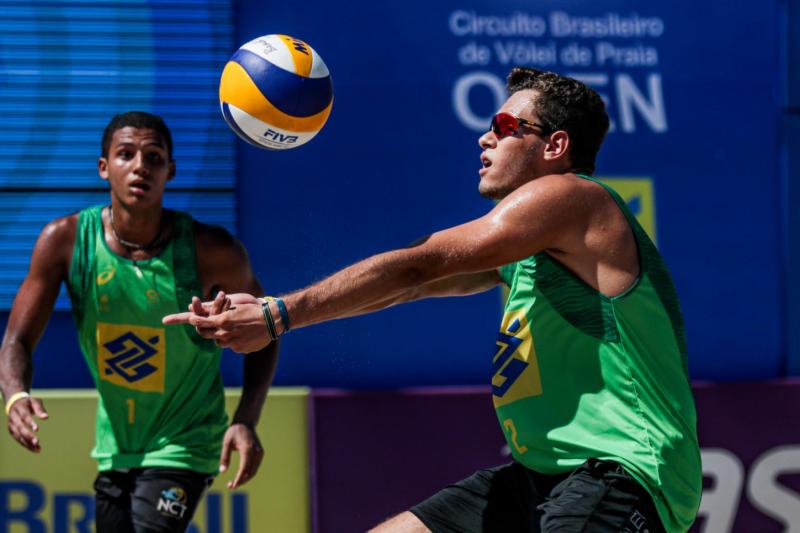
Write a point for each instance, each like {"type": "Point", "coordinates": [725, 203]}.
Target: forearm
{"type": "Point", "coordinates": [373, 283]}
{"type": "Point", "coordinates": [16, 370]}
{"type": "Point", "coordinates": [259, 370]}
{"type": "Point", "coordinates": [457, 285]}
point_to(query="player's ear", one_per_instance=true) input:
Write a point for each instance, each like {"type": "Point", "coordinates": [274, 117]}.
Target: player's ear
{"type": "Point", "coordinates": [557, 145]}
{"type": "Point", "coordinates": [102, 168]}
{"type": "Point", "coordinates": [171, 172]}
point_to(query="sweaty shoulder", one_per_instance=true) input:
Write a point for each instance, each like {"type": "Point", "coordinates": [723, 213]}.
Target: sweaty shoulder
{"type": "Point", "coordinates": [55, 242]}
{"type": "Point", "coordinates": [564, 187]}
{"type": "Point", "coordinates": [559, 209]}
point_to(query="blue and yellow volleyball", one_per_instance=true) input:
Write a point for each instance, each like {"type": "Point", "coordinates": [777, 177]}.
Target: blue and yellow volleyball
{"type": "Point", "coordinates": [276, 92]}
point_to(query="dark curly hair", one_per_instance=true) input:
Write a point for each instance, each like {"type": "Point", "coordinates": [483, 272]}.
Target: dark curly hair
{"type": "Point", "coordinates": [136, 119]}
{"type": "Point", "coordinates": [566, 104]}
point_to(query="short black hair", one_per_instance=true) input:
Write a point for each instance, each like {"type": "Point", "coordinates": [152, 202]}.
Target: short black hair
{"type": "Point", "coordinates": [136, 119]}
{"type": "Point", "coordinates": [566, 104]}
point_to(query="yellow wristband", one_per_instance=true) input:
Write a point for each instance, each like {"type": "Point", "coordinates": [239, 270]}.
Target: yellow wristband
{"type": "Point", "coordinates": [14, 397]}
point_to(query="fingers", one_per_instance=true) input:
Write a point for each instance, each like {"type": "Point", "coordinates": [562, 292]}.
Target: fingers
{"type": "Point", "coordinates": [218, 305]}
{"type": "Point", "coordinates": [38, 408]}
{"type": "Point", "coordinates": [177, 318]}
{"type": "Point", "coordinates": [249, 461]}
{"type": "Point", "coordinates": [196, 307]}
{"type": "Point", "coordinates": [199, 309]}
{"type": "Point", "coordinates": [250, 457]}
{"type": "Point", "coordinates": [225, 458]}
{"type": "Point", "coordinates": [21, 424]}
{"type": "Point", "coordinates": [190, 318]}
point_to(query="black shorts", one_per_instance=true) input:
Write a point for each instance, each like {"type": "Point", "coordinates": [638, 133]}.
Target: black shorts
{"type": "Point", "coordinates": [142, 500]}
{"type": "Point", "coordinates": [599, 496]}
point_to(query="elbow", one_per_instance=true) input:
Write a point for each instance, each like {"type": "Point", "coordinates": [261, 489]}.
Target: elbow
{"type": "Point", "coordinates": [416, 276]}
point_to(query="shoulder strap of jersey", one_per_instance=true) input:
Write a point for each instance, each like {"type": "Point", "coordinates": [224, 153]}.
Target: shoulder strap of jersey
{"type": "Point", "coordinates": [653, 265]}
{"type": "Point", "coordinates": [187, 277]}
{"type": "Point", "coordinates": [83, 252]}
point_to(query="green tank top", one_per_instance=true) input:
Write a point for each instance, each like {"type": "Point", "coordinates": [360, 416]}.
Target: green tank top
{"type": "Point", "coordinates": [578, 375]}
{"type": "Point", "coordinates": [161, 394]}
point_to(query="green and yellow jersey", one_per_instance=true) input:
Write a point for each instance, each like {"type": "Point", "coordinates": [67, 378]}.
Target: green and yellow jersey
{"type": "Point", "coordinates": [579, 375]}
{"type": "Point", "coordinates": [161, 393]}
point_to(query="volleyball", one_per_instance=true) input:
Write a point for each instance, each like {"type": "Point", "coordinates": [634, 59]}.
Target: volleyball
{"type": "Point", "coordinates": [276, 92]}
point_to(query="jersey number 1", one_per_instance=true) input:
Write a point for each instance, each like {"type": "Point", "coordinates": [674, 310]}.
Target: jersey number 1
{"type": "Point", "coordinates": [131, 410]}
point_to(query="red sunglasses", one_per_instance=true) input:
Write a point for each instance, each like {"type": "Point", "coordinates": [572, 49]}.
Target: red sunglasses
{"type": "Point", "coordinates": [505, 124]}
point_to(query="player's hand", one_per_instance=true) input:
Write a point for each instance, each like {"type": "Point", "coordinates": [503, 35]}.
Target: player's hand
{"type": "Point", "coordinates": [243, 438]}
{"type": "Point", "coordinates": [221, 303]}
{"type": "Point", "coordinates": [22, 424]}
{"type": "Point", "coordinates": [241, 327]}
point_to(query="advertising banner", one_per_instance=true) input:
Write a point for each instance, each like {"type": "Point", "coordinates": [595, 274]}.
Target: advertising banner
{"type": "Point", "coordinates": [51, 492]}
{"type": "Point", "coordinates": [750, 436]}
{"type": "Point", "coordinates": [693, 93]}
{"type": "Point", "coordinates": [376, 454]}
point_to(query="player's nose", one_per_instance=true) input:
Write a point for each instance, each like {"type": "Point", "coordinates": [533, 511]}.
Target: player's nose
{"type": "Point", "coordinates": [487, 140]}
{"type": "Point", "coordinates": [140, 164]}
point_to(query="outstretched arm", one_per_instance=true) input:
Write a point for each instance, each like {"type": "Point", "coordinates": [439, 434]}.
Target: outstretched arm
{"type": "Point", "coordinates": [538, 216]}
{"type": "Point", "coordinates": [460, 285]}
{"type": "Point", "coordinates": [29, 315]}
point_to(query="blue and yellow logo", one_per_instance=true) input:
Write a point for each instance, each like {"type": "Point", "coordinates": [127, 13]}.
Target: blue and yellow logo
{"type": "Point", "coordinates": [516, 370]}
{"type": "Point", "coordinates": [131, 356]}
{"type": "Point", "coordinates": [175, 494]}
{"type": "Point", "coordinates": [638, 194]}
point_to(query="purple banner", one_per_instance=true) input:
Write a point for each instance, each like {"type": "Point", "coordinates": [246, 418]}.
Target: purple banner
{"type": "Point", "coordinates": [376, 454]}
{"type": "Point", "coordinates": [750, 439]}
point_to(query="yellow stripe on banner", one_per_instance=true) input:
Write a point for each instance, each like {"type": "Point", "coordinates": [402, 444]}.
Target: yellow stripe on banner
{"type": "Point", "coordinates": [301, 54]}
{"type": "Point", "coordinates": [239, 90]}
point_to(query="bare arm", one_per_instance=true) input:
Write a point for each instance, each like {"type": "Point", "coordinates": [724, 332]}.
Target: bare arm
{"type": "Point", "coordinates": [224, 266]}
{"type": "Point", "coordinates": [538, 216]}
{"type": "Point", "coordinates": [29, 315]}
{"type": "Point", "coordinates": [459, 285]}
{"type": "Point", "coordinates": [544, 214]}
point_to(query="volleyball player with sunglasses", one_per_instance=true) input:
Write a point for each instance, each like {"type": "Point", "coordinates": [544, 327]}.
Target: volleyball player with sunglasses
{"type": "Point", "coordinates": [590, 377]}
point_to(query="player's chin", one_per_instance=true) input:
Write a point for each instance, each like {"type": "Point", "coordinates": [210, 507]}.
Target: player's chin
{"type": "Point", "coordinates": [143, 198]}
{"type": "Point", "coordinates": [489, 190]}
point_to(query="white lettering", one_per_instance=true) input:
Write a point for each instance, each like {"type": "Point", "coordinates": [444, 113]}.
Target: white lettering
{"type": "Point", "coordinates": [652, 109]}
{"type": "Point", "coordinates": [461, 92]}
{"type": "Point", "coordinates": [595, 80]}
{"type": "Point", "coordinates": [720, 502]}
{"type": "Point", "coordinates": [629, 99]}
{"type": "Point", "coordinates": [474, 54]}
{"type": "Point", "coordinates": [173, 508]}
{"type": "Point", "coordinates": [625, 56]}
{"type": "Point", "coordinates": [609, 25]}
{"type": "Point", "coordinates": [522, 53]}
{"type": "Point", "coordinates": [466, 23]}
{"type": "Point", "coordinates": [767, 494]}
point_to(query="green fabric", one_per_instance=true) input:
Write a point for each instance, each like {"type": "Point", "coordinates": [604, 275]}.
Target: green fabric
{"type": "Point", "coordinates": [581, 375]}
{"type": "Point", "coordinates": [161, 393]}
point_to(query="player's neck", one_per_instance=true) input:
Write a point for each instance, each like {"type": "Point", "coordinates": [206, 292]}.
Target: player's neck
{"type": "Point", "coordinates": [137, 230]}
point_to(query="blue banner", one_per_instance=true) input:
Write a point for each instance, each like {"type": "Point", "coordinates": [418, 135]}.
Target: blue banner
{"type": "Point", "coordinates": [692, 90]}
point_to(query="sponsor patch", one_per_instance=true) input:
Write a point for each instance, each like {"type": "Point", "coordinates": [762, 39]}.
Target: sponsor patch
{"type": "Point", "coordinates": [131, 356]}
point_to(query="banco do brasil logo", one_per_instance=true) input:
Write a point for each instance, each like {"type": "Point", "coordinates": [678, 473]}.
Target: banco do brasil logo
{"type": "Point", "coordinates": [131, 356]}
